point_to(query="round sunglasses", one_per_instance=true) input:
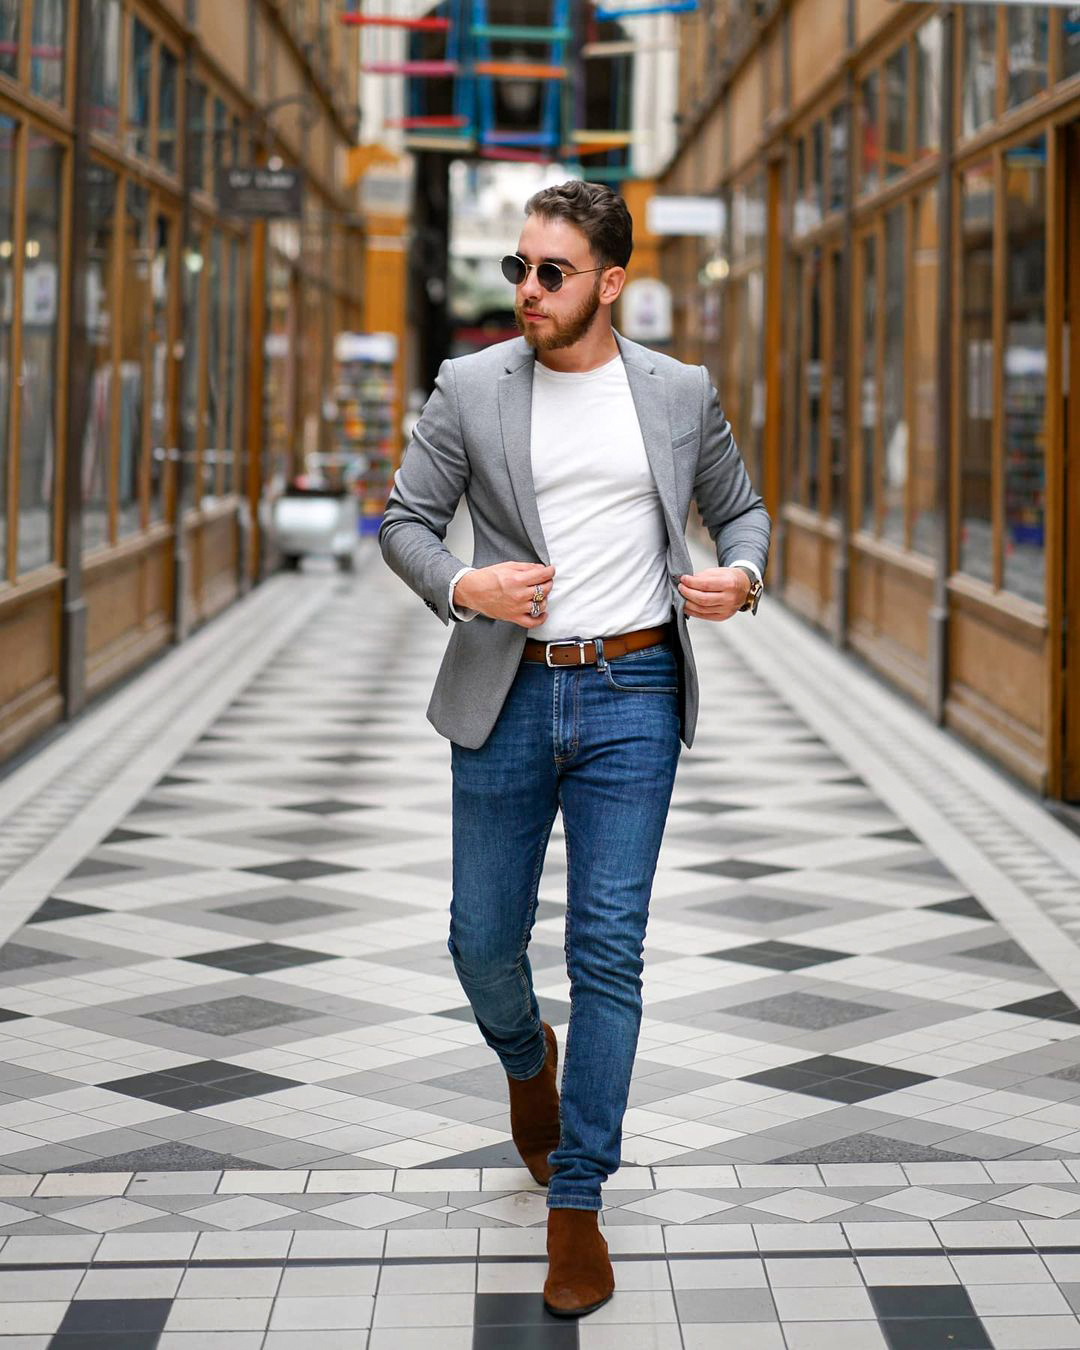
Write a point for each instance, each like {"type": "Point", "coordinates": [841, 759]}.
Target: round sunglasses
{"type": "Point", "coordinates": [550, 275]}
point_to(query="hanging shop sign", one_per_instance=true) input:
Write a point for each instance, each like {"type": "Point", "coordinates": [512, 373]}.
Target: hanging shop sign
{"type": "Point", "coordinates": [685, 215]}
{"type": "Point", "coordinates": [260, 193]}
{"type": "Point", "coordinates": [646, 311]}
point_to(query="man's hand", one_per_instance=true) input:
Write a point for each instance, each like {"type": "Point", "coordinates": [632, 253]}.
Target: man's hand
{"type": "Point", "coordinates": [717, 593]}
{"type": "Point", "coordinates": [505, 591]}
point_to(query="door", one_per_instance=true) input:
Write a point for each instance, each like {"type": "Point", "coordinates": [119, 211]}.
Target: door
{"type": "Point", "coordinates": [1071, 487]}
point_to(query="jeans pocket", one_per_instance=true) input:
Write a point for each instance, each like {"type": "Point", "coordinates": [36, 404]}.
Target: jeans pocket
{"type": "Point", "coordinates": [653, 670]}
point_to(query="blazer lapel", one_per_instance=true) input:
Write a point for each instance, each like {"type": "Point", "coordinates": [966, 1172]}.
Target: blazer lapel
{"type": "Point", "coordinates": [649, 392]}
{"type": "Point", "coordinates": [515, 419]}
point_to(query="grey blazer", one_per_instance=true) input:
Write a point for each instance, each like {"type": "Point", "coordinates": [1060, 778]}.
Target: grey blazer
{"type": "Point", "coordinates": [473, 438]}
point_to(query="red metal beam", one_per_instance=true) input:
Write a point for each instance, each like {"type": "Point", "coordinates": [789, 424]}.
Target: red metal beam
{"type": "Point", "coordinates": [432, 69]}
{"type": "Point", "coordinates": [388, 21]}
{"type": "Point", "coordinates": [449, 122]}
{"type": "Point", "coordinates": [519, 70]}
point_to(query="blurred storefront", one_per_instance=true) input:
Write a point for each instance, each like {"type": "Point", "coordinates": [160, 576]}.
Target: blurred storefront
{"type": "Point", "coordinates": [164, 358]}
{"type": "Point", "coordinates": [886, 314]}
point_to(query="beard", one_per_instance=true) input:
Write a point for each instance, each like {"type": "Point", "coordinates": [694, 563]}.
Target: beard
{"type": "Point", "coordinates": [561, 332]}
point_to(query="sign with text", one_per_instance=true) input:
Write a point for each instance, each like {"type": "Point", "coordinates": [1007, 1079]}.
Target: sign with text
{"type": "Point", "coordinates": [260, 194]}
{"type": "Point", "coordinates": [685, 215]}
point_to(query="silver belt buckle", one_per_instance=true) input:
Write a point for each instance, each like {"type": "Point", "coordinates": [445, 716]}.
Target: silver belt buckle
{"type": "Point", "coordinates": [565, 642]}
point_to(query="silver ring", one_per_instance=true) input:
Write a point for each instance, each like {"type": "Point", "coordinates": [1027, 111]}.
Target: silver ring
{"type": "Point", "coordinates": [537, 601]}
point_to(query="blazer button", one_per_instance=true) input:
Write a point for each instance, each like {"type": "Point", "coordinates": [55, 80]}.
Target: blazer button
{"type": "Point", "coordinates": [434, 608]}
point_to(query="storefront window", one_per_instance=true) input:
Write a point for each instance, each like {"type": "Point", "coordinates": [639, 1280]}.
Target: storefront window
{"type": "Point", "coordinates": [980, 66]}
{"type": "Point", "coordinates": [9, 37]}
{"type": "Point", "coordinates": [928, 42]}
{"type": "Point", "coordinates": [894, 428]}
{"type": "Point", "coordinates": [896, 106]}
{"type": "Point", "coordinates": [221, 139]}
{"type": "Point", "coordinates": [975, 385]}
{"type": "Point", "coordinates": [212, 446]}
{"type": "Point", "coordinates": [233, 388]}
{"type": "Point", "coordinates": [138, 109]}
{"type": "Point", "coordinates": [1070, 42]}
{"type": "Point", "coordinates": [751, 350]}
{"type": "Point", "coordinates": [100, 187]}
{"type": "Point", "coordinates": [161, 281]}
{"type": "Point", "coordinates": [134, 353]}
{"type": "Point", "coordinates": [41, 296]}
{"type": "Point", "coordinates": [1027, 31]}
{"type": "Point", "coordinates": [925, 242]}
{"type": "Point", "coordinates": [47, 44]}
{"type": "Point", "coordinates": [166, 120]}
{"type": "Point", "coordinates": [196, 144]}
{"type": "Point", "coordinates": [868, 395]}
{"type": "Point", "coordinates": [194, 263]}
{"type": "Point", "coordinates": [837, 158]}
{"type": "Point", "coordinates": [814, 382]}
{"type": "Point", "coordinates": [817, 171]}
{"type": "Point", "coordinates": [7, 231]}
{"type": "Point", "coordinates": [794, 436]}
{"type": "Point", "coordinates": [836, 388]}
{"type": "Point", "coordinates": [870, 152]}
{"type": "Point", "coordinates": [105, 64]}
{"type": "Point", "coordinates": [1024, 369]}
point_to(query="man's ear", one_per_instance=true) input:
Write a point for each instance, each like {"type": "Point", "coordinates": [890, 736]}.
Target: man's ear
{"type": "Point", "coordinates": [612, 282]}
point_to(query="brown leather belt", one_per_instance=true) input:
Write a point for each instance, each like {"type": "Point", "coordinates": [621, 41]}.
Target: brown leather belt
{"type": "Point", "coordinates": [583, 653]}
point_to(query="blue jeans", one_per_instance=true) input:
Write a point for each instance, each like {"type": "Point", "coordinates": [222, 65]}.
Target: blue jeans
{"type": "Point", "coordinates": [601, 743]}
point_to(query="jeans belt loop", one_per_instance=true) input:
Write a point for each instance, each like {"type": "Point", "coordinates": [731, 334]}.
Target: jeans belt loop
{"type": "Point", "coordinates": [601, 664]}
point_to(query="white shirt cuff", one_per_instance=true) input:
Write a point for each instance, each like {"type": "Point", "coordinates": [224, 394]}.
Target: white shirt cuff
{"type": "Point", "coordinates": [745, 562]}
{"type": "Point", "coordinates": [463, 614]}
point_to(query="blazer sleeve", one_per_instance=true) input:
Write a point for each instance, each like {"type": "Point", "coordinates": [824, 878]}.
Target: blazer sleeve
{"type": "Point", "coordinates": [732, 510]}
{"type": "Point", "coordinates": [434, 474]}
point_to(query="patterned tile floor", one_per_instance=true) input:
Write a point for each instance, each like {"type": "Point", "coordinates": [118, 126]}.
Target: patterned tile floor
{"type": "Point", "coordinates": [243, 1102]}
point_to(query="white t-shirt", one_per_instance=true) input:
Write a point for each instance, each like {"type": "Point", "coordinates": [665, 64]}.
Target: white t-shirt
{"type": "Point", "coordinates": [598, 504]}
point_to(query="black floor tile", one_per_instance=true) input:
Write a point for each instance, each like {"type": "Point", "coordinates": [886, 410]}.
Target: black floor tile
{"type": "Point", "coordinates": [738, 868]}
{"type": "Point", "coordinates": [107, 1340]}
{"type": "Point", "coordinates": [848, 1090]}
{"type": "Point", "coordinates": [171, 1156]}
{"type": "Point", "coordinates": [921, 1300]}
{"type": "Point", "coordinates": [779, 955]}
{"type": "Point", "coordinates": [936, 1333]}
{"type": "Point", "coordinates": [966, 906]}
{"type": "Point", "coordinates": [513, 1310]}
{"type": "Point", "coordinates": [330, 807]}
{"type": "Point", "coordinates": [54, 908]}
{"type": "Point", "coordinates": [258, 958]}
{"type": "Point", "coordinates": [300, 869]}
{"type": "Point", "coordinates": [556, 1334]}
{"type": "Point", "coordinates": [1057, 1005]}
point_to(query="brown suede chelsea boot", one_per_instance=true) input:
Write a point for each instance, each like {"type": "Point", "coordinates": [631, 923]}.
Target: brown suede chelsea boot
{"type": "Point", "coordinates": [580, 1278]}
{"type": "Point", "coordinates": [534, 1112]}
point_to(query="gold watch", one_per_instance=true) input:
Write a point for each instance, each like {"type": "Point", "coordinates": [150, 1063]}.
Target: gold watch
{"type": "Point", "coordinates": [755, 592]}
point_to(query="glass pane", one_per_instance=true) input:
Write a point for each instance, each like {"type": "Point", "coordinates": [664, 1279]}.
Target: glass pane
{"type": "Point", "coordinates": [813, 380]}
{"type": "Point", "coordinates": [7, 230]}
{"type": "Point", "coordinates": [138, 109]}
{"type": "Point", "coordinates": [836, 390]}
{"type": "Point", "coordinates": [100, 188]}
{"type": "Point", "coordinates": [751, 401]}
{"type": "Point", "coordinates": [894, 428]}
{"type": "Point", "coordinates": [837, 158]}
{"type": "Point", "coordinates": [1027, 31]}
{"type": "Point", "coordinates": [924, 372]}
{"type": "Point", "coordinates": [870, 151]}
{"type": "Point", "coordinates": [817, 171]}
{"type": "Point", "coordinates": [211, 440]}
{"type": "Point", "coordinates": [221, 139]}
{"type": "Point", "coordinates": [896, 106]}
{"type": "Point", "coordinates": [234, 391]}
{"type": "Point", "coordinates": [1024, 369]}
{"type": "Point", "coordinates": [47, 41]}
{"type": "Point", "coordinates": [194, 262]}
{"type": "Point", "coordinates": [975, 384]}
{"type": "Point", "coordinates": [161, 284]}
{"type": "Point", "coordinates": [166, 125]}
{"type": "Point", "coordinates": [41, 293]}
{"type": "Point", "coordinates": [105, 64]}
{"type": "Point", "coordinates": [134, 352]}
{"type": "Point", "coordinates": [196, 146]}
{"type": "Point", "coordinates": [9, 37]}
{"type": "Point", "coordinates": [868, 395]}
{"type": "Point", "coordinates": [793, 408]}
{"type": "Point", "coordinates": [980, 66]}
{"type": "Point", "coordinates": [1070, 42]}
{"type": "Point", "coordinates": [928, 40]}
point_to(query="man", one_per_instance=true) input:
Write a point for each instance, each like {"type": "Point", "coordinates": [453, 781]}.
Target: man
{"type": "Point", "coordinates": [578, 453]}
